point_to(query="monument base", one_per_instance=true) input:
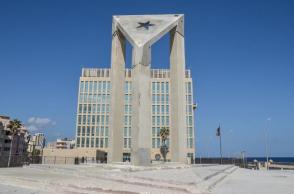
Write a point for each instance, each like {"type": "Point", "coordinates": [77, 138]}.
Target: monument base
{"type": "Point", "coordinates": [141, 157]}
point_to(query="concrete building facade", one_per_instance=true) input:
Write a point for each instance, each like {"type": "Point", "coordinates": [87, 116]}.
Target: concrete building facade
{"type": "Point", "coordinates": [37, 142]}
{"type": "Point", "coordinates": [16, 145]}
{"type": "Point", "coordinates": [121, 111]}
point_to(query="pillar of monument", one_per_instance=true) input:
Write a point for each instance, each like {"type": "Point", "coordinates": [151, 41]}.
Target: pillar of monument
{"type": "Point", "coordinates": [141, 103]}
{"type": "Point", "coordinates": [115, 153]}
{"type": "Point", "coordinates": [178, 100]}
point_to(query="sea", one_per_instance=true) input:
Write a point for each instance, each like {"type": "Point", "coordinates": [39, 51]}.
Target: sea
{"type": "Point", "coordinates": [274, 159]}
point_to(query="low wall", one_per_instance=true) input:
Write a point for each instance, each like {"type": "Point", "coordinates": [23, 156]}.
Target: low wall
{"type": "Point", "coordinates": [69, 156]}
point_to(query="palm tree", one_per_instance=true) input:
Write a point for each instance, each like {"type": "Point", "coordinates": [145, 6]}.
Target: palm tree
{"type": "Point", "coordinates": [14, 127]}
{"type": "Point", "coordinates": [164, 133]}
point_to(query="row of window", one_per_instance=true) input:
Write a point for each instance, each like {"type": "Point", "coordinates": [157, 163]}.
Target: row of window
{"type": "Point", "coordinates": [94, 86]}
{"type": "Point", "coordinates": [94, 108]}
{"type": "Point", "coordinates": [92, 142]}
{"type": "Point", "coordinates": [190, 132]}
{"type": "Point", "coordinates": [127, 132]}
{"type": "Point", "coordinates": [189, 142]}
{"type": "Point", "coordinates": [128, 98]}
{"type": "Point", "coordinates": [128, 87]}
{"type": "Point", "coordinates": [189, 121]}
{"type": "Point", "coordinates": [93, 119]}
{"type": "Point", "coordinates": [103, 142]}
{"type": "Point", "coordinates": [160, 87]}
{"type": "Point", "coordinates": [127, 142]}
{"type": "Point", "coordinates": [189, 109]}
{"type": "Point", "coordinates": [128, 109]}
{"type": "Point", "coordinates": [156, 131]}
{"type": "Point", "coordinates": [105, 98]}
{"type": "Point", "coordinates": [163, 109]}
{"type": "Point", "coordinates": [127, 120]}
{"type": "Point", "coordinates": [189, 99]}
{"type": "Point", "coordinates": [160, 120]}
{"type": "Point", "coordinates": [104, 108]}
{"type": "Point", "coordinates": [156, 142]}
{"type": "Point", "coordinates": [93, 131]}
{"type": "Point", "coordinates": [160, 99]}
{"type": "Point", "coordinates": [105, 86]}
{"type": "Point", "coordinates": [103, 131]}
{"type": "Point", "coordinates": [188, 87]}
{"type": "Point", "coordinates": [94, 98]}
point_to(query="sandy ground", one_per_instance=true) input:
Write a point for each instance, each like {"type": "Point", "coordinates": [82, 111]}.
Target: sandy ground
{"type": "Point", "coordinates": [172, 178]}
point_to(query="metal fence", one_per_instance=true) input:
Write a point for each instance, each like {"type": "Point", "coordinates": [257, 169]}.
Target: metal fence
{"type": "Point", "coordinates": [235, 161]}
{"type": "Point", "coordinates": [15, 160]}
{"type": "Point", "coordinates": [20, 160]}
{"type": "Point", "coordinates": [70, 160]}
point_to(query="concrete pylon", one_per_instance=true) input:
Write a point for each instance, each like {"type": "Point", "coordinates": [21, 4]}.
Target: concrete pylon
{"type": "Point", "coordinates": [178, 100]}
{"type": "Point", "coordinates": [115, 153]}
{"type": "Point", "coordinates": [141, 103]}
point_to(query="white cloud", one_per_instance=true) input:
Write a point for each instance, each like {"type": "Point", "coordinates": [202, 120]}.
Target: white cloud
{"type": "Point", "coordinates": [37, 123]}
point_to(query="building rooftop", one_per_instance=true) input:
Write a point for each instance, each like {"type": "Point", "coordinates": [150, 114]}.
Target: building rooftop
{"type": "Point", "coordinates": [105, 72]}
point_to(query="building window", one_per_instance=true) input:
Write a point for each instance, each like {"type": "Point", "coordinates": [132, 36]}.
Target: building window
{"type": "Point", "coordinates": [79, 130]}
{"type": "Point", "coordinates": [82, 86]}
{"type": "Point", "coordinates": [97, 142]}
{"type": "Point", "coordinates": [126, 157]}
{"type": "Point", "coordinates": [167, 87]}
{"type": "Point", "coordinates": [101, 143]}
{"type": "Point", "coordinates": [90, 87]}
{"type": "Point", "coordinates": [104, 86]}
{"type": "Point", "coordinates": [87, 142]}
{"type": "Point", "coordinates": [86, 86]}
{"type": "Point", "coordinates": [92, 142]}
{"type": "Point", "coordinates": [153, 142]}
{"type": "Point", "coordinates": [78, 142]}
{"type": "Point", "coordinates": [88, 131]}
{"type": "Point", "coordinates": [92, 131]}
{"type": "Point", "coordinates": [79, 119]}
{"type": "Point", "coordinates": [83, 130]}
{"type": "Point", "coordinates": [126, 120]}
{"type": "Point", "coordinates": [125, 131]}
{"type": "Point", "coordinates": [83, 142]}
{"type": "Point", "coordinates": [97, 131]}
{"type": "Point", "coordinates": [102, 131]}
{"type": "Point", "coordinates": [158, 87]}
{"type": "Point", "coordinates": [125, 142]}
{"type": "Point", "coordinates": [94, 87]}
{"type": "Point", "coordinates": [106, 143]}
{"type": "Point", "coordinates": [162, 87]}
{"type": "Point", "coordinates": [153, 87]}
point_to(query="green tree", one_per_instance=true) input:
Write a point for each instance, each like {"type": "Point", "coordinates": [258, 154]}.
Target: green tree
{"type": "Point", "coordinates": [14, 127]}
{"type": "Point", "coordinates": [164, 133]}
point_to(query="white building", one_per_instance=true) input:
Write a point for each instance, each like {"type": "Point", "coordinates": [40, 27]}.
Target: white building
{"type": "Point", "coordinates": [37, 142]}
{"type": "Point", "coordinates": [65, 143]}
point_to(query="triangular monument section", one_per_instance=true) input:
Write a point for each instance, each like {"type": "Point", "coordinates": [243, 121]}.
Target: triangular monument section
{"type": "Point", "coordinates": [142, 31]}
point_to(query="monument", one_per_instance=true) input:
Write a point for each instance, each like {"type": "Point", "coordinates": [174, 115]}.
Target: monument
{"type": "Point", "coordinates": [142, 31]}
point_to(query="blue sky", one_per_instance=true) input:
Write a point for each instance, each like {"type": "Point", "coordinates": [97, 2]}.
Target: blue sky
{"type": "Point", "coordinates": [241, 54]}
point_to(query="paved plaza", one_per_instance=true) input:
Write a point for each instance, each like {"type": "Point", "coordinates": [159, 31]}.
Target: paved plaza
{"type": "Point", "coordinates": [172, 178]}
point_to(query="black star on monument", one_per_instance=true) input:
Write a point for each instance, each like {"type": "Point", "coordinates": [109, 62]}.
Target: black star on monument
{"type": "Point", "coordinates": [146, 25]}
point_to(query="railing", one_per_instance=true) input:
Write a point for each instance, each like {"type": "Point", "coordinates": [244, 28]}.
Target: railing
{"type": "Point", "coordinates": [18, 160]}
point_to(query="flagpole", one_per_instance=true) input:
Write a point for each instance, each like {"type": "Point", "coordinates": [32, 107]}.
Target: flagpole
{"type": "Point", "coordinates": [220, 148]}
{"type": "Point", "coordinates": [219, 133]}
